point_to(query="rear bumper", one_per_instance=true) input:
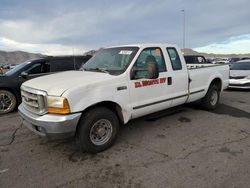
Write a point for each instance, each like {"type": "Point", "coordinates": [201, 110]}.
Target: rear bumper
{"type": "Point", "coordinates": [50, 125]}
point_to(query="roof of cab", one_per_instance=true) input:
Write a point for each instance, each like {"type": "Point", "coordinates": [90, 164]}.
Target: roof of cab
{"type": "Point", "coordinates": [58, 57]}
{"type": "Point", "coordinates": [145, 45]}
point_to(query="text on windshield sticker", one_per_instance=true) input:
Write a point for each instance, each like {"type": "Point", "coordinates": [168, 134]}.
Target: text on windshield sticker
{"type": "Point", "coordinates": [125, 52]}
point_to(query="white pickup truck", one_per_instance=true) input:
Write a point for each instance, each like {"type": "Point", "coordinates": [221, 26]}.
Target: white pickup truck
{"type": "Point", "coordinates": [118, 84]}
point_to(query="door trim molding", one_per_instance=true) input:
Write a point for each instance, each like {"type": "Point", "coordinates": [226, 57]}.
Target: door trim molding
{"type": "Point", "coordinates": [165, 100]}
{"type": "Point", "coordinates": [157, 102]}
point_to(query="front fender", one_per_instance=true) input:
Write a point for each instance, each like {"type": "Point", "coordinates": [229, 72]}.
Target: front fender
{"type": "Point", "coordinates": [82, 98]}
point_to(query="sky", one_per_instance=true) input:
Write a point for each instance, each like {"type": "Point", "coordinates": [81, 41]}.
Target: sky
{"type": "Point", "coordinates": [57, 27]}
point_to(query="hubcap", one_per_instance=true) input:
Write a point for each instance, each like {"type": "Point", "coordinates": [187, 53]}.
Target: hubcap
{"type": "Point", "coordinates": [214, 98]}
{"type": "Point", "coordinates": [101, 132]}
{"type": "Point", "coordinates": [5, 102]}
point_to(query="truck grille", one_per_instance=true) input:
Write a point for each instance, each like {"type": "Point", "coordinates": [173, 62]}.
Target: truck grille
{"type": "Point", "coordinates": [34, 100]}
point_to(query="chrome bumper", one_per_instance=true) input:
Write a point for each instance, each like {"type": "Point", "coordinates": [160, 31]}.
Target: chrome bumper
{"type": "Point", "coordinates": [50, 125]}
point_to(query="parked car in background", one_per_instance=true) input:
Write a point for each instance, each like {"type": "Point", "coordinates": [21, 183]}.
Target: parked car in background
{"type": "Point", "coordinates": [10, 82]}
{"type": "Point", "coordinates": [195, 59]}
{"type": "Point", "coordinates": [12, 66]}
{"type": "Point", "coordinates": [235, 59]}
{"type": "Point", "coordinates": [6, 66]}
{"type": "Point", "coordinates": [240, 75]}
{"type": "Point", "coordinates": [245, 58]}
{"type": "Point", "coordinates": [221, 62]}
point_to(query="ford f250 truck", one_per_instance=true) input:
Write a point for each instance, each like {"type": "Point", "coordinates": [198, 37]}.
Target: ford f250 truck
{"type": "Point", "coordinates": [116, 85]}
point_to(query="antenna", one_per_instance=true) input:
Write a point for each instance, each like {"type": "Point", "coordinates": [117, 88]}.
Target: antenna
{"type": "Point", "coordinates": [74, 59]}
{"type": "Point", "coordinates": [184, 27]}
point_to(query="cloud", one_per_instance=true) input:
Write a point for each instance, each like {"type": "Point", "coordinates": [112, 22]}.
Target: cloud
{"type": "Point", "coordinates": [239, 44]}
{"type": "Point", "coordinates": [47, 49]}
{"type": "Point", "coordinates": [95, 24]}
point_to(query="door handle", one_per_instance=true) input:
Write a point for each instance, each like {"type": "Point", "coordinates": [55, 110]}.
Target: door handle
{"type": "Point", "coordinates": [170, 80]}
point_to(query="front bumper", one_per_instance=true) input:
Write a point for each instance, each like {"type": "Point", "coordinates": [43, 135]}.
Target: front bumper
{"type": "Point", "coordinates": [50, 125]}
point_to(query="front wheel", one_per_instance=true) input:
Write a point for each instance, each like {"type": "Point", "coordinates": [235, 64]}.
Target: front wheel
{"type": "Point", "coordinates": [211, 99]}
{"type": "Point", "coordinates": [98, 129]}
{"type": "Point", "coordinates": [8, 102]}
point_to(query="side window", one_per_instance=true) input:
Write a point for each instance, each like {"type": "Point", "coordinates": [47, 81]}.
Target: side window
{"type": "Point", "coordinates": [62, 64]}
{"type": "Point", "coordinates": [174, 58]}
{"type": "Point", "coordinates": [79, 61]}
{"type": "Point", "coordinates": [46, 67]}
{"type": "Point", "coordinates": [201, 59]}
{"type": "Point", "coordinates": [35, 69]}
{"type": "Point", "coordinates": [149, 55]}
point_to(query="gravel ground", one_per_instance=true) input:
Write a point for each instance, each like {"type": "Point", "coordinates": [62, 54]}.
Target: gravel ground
{"type": "Point", "coordinates": [181, 147]}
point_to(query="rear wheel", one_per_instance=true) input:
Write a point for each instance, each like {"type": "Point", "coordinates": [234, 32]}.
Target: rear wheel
{"type": "Point", "coordinates": [211, 100]}
{"type": "Point", "coordinates": [8, 102]}
{"type": "Point", "coordinates": [97, 130]}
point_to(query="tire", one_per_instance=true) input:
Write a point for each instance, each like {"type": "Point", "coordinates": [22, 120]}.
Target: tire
{"type": "Point", "coordinates": [98, 129]}
{"type": "Point", "coordinates": [8, 102]}
{"type": "Point", "coordinates": [211, 99]}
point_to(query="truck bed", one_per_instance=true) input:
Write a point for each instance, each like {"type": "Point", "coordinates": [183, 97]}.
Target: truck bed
{"type": "Point", "coordinates": [201, 75]}
{"type": "Point", "coordinates": [205, 65]}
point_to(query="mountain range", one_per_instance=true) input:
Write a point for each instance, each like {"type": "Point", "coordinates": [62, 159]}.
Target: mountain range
{"type": "Point", "coordinates": [17, 57]}
{"type": "Point", "coordinates": [188, 51]}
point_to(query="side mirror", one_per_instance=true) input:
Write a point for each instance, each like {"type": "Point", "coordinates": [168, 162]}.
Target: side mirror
{"type": "Point", "coordinates": [133, 73]}
{"type": "Point", "coordinates": [153, 71]}
{"type": "Point", "coordinates": [24, 74]}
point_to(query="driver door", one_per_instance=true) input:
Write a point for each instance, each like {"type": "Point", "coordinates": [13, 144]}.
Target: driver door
{"type": "Point", "coordinates": [149, 95]}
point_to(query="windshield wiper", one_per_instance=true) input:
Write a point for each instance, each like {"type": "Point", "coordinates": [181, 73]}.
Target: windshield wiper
{"type": "Point", "coordinates": [97, 70]}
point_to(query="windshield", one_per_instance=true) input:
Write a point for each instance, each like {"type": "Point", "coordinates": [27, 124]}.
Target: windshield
{"type": "Point", "coordinates": [16, 68]}
{"type": "Point", "coordinates": [240, 66]}
{"type": "Point", "coordinates": [111, 60]}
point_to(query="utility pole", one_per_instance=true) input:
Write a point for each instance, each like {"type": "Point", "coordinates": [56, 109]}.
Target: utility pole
{"type": "Point", "coordinates": [184, 27]}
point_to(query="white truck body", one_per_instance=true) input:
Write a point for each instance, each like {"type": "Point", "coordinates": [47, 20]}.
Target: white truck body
{"type": "Point", "coordinates": [133, 97]}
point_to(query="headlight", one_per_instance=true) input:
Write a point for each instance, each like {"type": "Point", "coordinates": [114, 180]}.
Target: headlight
{"type": "Point", "coordinates": [58, 105]}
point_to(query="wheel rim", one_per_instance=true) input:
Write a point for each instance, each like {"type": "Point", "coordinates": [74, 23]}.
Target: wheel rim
{"type": "Point", "coordinates": [5, 102]}
{"type": "Point", "coordinates": [101, 132]}
{"type": "Point", "coordinates": [214, 98]}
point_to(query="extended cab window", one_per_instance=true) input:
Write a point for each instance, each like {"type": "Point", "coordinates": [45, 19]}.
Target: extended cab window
{"type": "Point", "coordinates": [174, 58]}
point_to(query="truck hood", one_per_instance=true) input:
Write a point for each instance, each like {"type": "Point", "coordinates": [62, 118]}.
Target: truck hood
{"type": "Point", "coordinates": [57, 84]}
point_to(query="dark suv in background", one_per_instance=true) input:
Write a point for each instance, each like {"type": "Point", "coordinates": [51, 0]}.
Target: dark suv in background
{"type": "Point", "coordinates": [195, 59]}
{"type": "Point", "coordinates": [10, 82]}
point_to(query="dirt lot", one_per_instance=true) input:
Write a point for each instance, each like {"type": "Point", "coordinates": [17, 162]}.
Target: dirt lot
{"type": "Point", "coordinates": [183, 147]}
